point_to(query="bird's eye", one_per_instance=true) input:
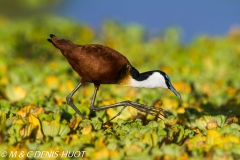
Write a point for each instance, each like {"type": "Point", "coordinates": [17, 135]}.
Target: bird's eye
{"type": "Point", "coordinates": [167, 78]}
{"type": "Point", "coordinates": [168, 84]}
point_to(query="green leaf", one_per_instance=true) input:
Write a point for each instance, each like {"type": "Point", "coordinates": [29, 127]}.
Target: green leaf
{"type": "Point", "coordinates": [64, 130]}
{"type": "Point", "coordinates": [97, 124]}
{"type": "Point", "coordinates": [51, 128]}
{"type": "Point", "coordinates": [150, 139]}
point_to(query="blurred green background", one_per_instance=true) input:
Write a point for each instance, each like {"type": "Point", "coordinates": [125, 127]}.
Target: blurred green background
{"type": "Point", "coordinates": [35, 79]}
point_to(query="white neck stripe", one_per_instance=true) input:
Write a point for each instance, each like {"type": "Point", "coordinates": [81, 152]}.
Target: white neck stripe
{"type": "Point", "coordinates": [156, 80]}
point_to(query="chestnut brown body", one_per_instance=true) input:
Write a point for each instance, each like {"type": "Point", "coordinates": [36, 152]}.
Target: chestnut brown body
{"type": "Point", "coordinates": [94, 63]}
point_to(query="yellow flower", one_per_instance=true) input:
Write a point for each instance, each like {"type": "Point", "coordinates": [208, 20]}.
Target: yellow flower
{"type": "Point", "coordinates": [101, 154]}
{"type": "Point", "coordinates": [66, 87]}
{"type": "Point", "coordinates": [182, 87]}
{"type": "Point", "coordinates": [4, 80]}
{"type": "Point", "coordinates": [52, 82]}
{"type": "Point", "coordinates": [28, 108]}
{"type": "Point", "coordinates": [15, 93]}
{"type": "Point", "coordinates": [36, 125]}
{"type": "Point", "coordinates": [87, 129]}
{"type": "Point", "coordinates": [213, 137]}
{"type": "Point", "coordinates": [169, 103]}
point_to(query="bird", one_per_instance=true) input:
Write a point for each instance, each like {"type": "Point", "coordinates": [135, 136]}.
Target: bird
{"type": "Point", "coordinates": [99, 64]}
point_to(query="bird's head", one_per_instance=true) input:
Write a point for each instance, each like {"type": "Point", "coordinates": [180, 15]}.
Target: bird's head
{"type": "Point", "coordinates": [152, 79]}
{"type": "Point", "coordinates": [168, 84]}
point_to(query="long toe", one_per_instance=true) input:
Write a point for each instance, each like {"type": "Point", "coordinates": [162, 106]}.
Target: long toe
{"type": "Point", "coordinates": [157, 112]}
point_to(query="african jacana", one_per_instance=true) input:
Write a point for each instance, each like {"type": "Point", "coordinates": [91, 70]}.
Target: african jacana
{"type": "Point", "coordinates": [100, 64]}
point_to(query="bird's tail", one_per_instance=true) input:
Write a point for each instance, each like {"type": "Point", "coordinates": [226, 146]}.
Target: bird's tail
{"type": "Point", "coordinates": [62, 44]}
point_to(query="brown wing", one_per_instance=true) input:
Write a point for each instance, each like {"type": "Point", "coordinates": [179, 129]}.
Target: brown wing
{"type": "Point", "coordinates": [96, 63]}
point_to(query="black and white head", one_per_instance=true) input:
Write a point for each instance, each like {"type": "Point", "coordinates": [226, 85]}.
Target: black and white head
{"type": "Point", "coordinates": [169, 84]}
{"type": "Point", "coordinates": [153, 79]}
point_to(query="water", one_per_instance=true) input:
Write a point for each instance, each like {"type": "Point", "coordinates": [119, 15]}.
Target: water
{"type": "Point", "coordinates": [215, 17]}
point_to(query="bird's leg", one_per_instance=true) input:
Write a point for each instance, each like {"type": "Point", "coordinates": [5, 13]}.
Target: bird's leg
{"type": "Point", "coordinates": [150, 110]}
{"type": "Point", "coordinates": [94, 108]}
{"type": "Point", "coordinates": [107, 106]}
{"type": "Point", "coordinates": [70, 101]}
{"type": "Point", "coordinates": [143, 108]}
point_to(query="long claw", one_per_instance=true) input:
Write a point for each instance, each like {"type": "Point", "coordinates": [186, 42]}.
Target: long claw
{"type": "Point", "coordinates": [149, 110]}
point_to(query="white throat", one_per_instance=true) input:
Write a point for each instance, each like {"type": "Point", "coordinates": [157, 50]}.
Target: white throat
{"type": "Point", "coordinates": [156, 80]}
